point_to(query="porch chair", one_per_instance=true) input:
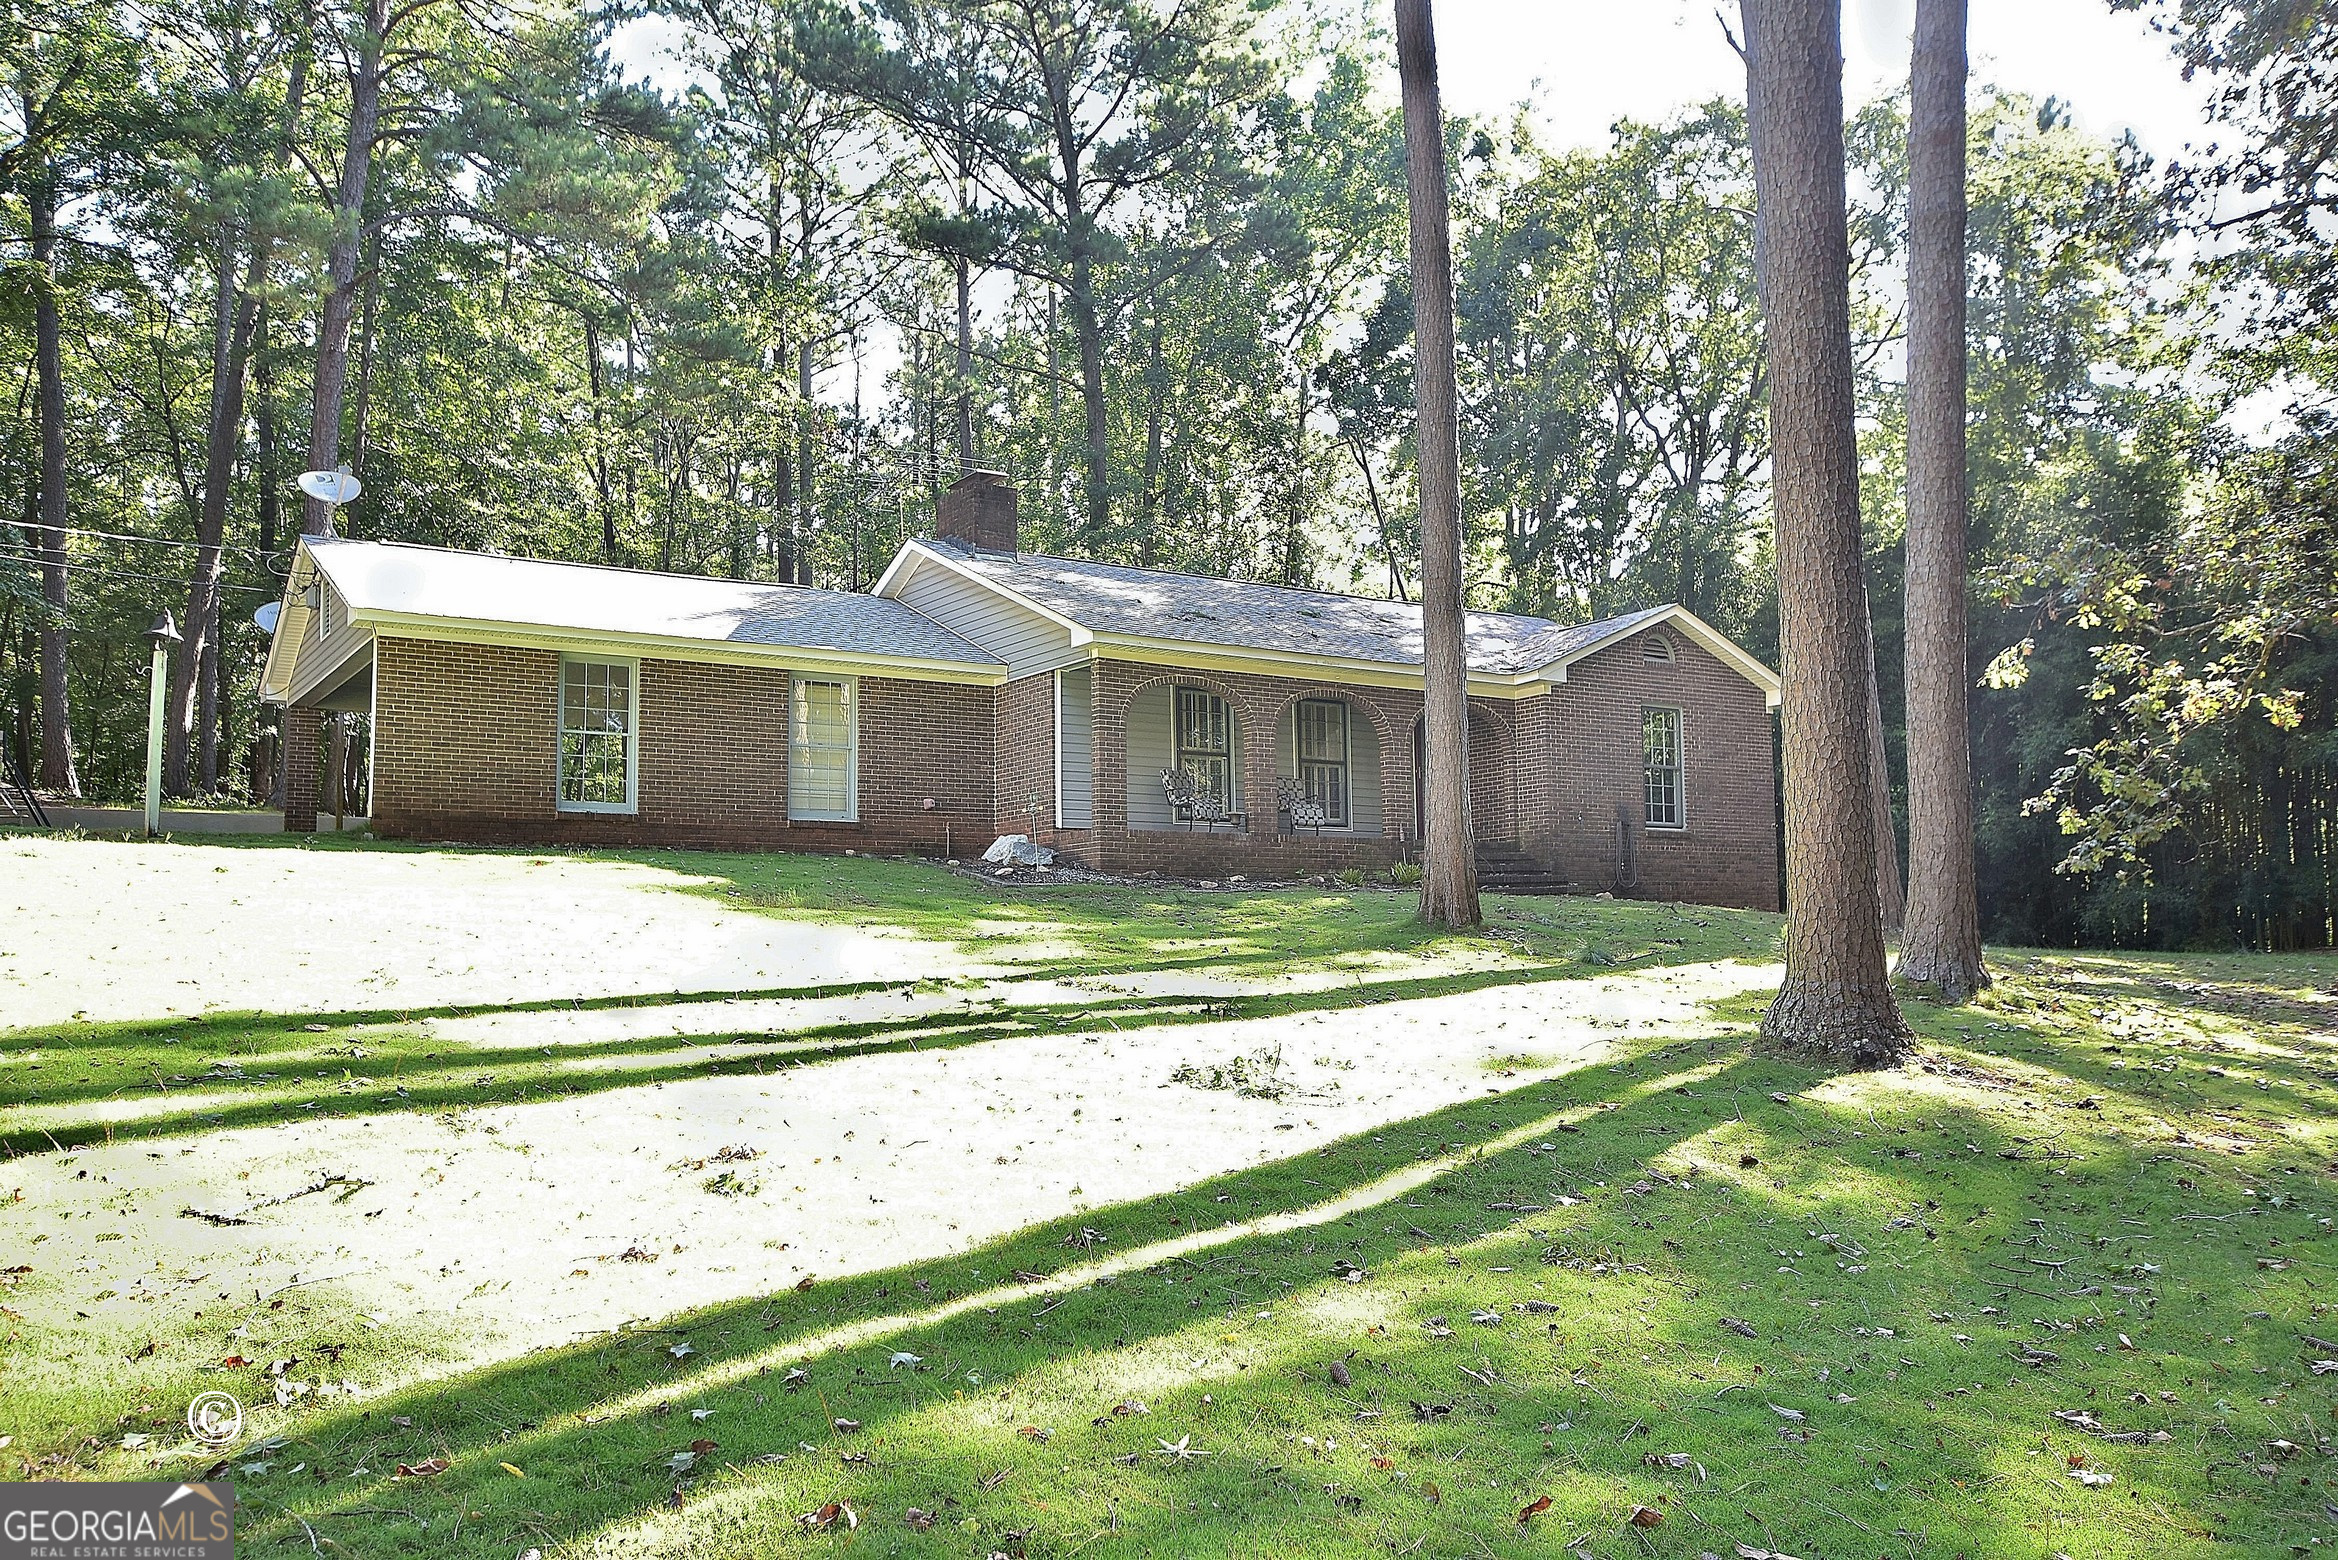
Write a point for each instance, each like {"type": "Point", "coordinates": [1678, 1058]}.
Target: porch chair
{"type": "Point", "coordinates": [1190, 804]}
{"type": "Point", "coordinates": [1304, 811]}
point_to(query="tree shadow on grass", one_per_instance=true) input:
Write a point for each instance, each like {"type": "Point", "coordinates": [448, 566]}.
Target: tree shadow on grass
{"type": "Point", "coordinates": [1909, 1300]}
{"type": "Point", "coordinates": [374, 1062]}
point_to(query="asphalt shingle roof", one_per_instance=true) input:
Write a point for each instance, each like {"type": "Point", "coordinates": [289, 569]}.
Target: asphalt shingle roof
{"type": "Point", "coordinates": [1110, 599]}
{"type": "Point", "coordinates": [440, 582]}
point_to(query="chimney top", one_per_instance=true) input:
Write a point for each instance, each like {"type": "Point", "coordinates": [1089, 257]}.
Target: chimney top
{"type": "Point", "coordinates": [978, 511]}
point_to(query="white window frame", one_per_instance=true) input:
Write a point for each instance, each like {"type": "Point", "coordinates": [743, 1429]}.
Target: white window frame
{"type": "Point", "coordinates": [852, 750]}
{"type": "Point", "coordinates": [1346, 762]}
{"type": "Point", "coordinates": [632, 802]}
{"type": "Point", "coordinates": [1680, 768]}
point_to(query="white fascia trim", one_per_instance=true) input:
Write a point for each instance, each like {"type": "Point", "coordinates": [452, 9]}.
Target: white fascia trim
{"type": "Point", "coordinates": [913, 553]}
{"type": "Point", "coordinates": [411, 625]}
{"type": "Point", "coordinates": [1724, 649]}
{"type": "Point", "coordinates": [277, 672]}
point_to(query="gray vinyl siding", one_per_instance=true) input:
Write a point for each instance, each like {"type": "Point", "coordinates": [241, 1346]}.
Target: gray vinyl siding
{"type": "Point", "coordinates": [1075, 748]}
{"type": "Point", "coordinates": [1026, 641]}
{"type": "Point", "coordinates": [1152, 748]}
{"type": "Point", "coordinates": [1363, 767]}
{"type": "Point", "coordinates": [326, 645]}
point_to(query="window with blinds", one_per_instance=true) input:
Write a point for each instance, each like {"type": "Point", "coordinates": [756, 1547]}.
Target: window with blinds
{"type": "Point", "coordinates": [822, 750]}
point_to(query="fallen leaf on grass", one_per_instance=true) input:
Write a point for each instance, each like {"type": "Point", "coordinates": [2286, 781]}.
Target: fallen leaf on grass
{"type": "Point", "coordinates": [1339, 1375]}
{"type": "Point", "coordinates": [421, 1470]}
{"type": "Point", "coordinates": [1034, 1433]}
{"type": "Point", "coordinates": [1738, 1325]}
{"type": "Point", "coordinates": [514, 1472]}
{"type": "Point", "coordinates": [2090, 1477]}
{"type": "Point", "coordinates": [847, 1426]}
{"type": "Point", "coordinates": [828, 1516]}
{"type": "Point", "coordinates": [1646, 1517]}
{"type": "Point", "coordinates": [1794, 1414]}
{"type": "Point", "coordinates": [702, 1446]}
{"type": "Point", "coordinates": [1539, 1505]}
{"type": "Point", "coordinates": [922, 1521]}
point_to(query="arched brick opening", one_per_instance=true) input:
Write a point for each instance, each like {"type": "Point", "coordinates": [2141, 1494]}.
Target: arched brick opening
{"type": "Point", "coordinates": [1147, 747]}
{"type": "Point", "coordinates": [1391, 770]}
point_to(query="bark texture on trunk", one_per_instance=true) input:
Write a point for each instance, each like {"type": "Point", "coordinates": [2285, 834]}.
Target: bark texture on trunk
{"type": "Point", "coordinates": [58, 775]}
{"type": "Point", "coordinates": [1941, 945]}
{"type": "Point", "coordinates": [1836, 1000]}
{"type": "Point", "coordinates": [1890, 904]}
{"type": "Point", "coordinates": [341, 261]}
{"type": "Point", "coordinates": [1448, 854]}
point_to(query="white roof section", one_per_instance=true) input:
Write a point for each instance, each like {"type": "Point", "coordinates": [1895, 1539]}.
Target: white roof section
{"type": "Point", "coordinates": [400, 585]}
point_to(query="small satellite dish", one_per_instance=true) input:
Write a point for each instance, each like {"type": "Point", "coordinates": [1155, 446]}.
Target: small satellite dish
{"type": "Point", "coordinates": [266, 616]}
{"type": "Point", "coordinates": [331, 487]}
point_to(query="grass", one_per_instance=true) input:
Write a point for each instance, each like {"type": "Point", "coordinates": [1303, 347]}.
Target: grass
{"type": "Point", "coordinates": [2089, 1232]}
{"type": "Point", "coordinates": [75, 1084]}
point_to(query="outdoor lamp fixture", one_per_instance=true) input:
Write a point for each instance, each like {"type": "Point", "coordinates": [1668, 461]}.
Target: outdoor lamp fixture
{"type": "Point", "coordinates": [162, 635]}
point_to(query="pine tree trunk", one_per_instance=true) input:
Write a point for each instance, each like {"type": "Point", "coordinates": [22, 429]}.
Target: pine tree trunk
{"type": "Point", "coordinates": [965, 367]}
{"type": "Point", "coordinates": [58, 775]}
{"type": "Point", "coordinates": [1448, 854]}
{"type": "Point", "coordinates": [1941, 945]}
{"type": "Point", "coordinates": [186, 726]}
{"type": "Point", "coordinates": [341, 257]}
{"type": "Point", "coordinates": [1836, 1000]}
{"type": "Point", "coordinates": [803, 548]}
{"type": "Point", "coordinates": [1088, 326]}
{"type": "Point", "coordinates": [1890, 904]}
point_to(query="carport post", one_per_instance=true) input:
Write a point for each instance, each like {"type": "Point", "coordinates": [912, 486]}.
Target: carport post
{"type": "Point", "coordinates": [163, 634]}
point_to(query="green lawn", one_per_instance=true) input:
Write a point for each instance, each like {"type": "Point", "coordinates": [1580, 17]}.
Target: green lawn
{"type": "Point", "coordinates": [2088, 1234]}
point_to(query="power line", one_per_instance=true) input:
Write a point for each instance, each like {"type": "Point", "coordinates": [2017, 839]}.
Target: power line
{"type": "Point", "coordinates": [150, 541]}
{"type": "Point", "coordinates": [126, 574]}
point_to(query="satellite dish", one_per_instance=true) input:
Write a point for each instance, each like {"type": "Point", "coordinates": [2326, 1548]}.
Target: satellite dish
{"type": "Point", "coordinates": [330, 487]}
{"type": "Point", "coordinates": [266, 616]}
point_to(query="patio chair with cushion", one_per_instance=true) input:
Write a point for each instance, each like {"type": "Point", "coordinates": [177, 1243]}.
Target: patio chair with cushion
{"type": "Point", "coordinates": [1304, 811]}
{"type": "Point", "coordinates": [1190, 804]}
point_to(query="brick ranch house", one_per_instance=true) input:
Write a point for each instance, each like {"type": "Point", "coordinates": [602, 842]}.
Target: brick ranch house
{"type": "Point", "coordinates": [1132, 718]}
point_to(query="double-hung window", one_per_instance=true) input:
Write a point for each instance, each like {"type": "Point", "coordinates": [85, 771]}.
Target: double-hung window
{"type": "Point", "coordinates": [1323, 756]}
{"type": "Point", "coordinates": [1205, 743]}
{"type": "Point", "coordinates": [823, 760]}
{"type": "Point", "coordinates": [597, 719]}
{"type": "Point", "coordinates": [1661, 755]}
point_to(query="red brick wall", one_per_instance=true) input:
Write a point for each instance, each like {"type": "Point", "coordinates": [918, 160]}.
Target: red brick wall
{"type": "Point", "coordinates": [303, 732]}
{"type": "Point", "coordinates": [466, 746]}
{"type": "Point", "coordinates": [1580, 749]}
{"type": "Point", "coordinates": [1026, 756]}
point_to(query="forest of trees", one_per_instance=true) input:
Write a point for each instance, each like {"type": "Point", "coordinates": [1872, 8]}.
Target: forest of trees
{"type": "Point", "coordinates": [1152, 261]}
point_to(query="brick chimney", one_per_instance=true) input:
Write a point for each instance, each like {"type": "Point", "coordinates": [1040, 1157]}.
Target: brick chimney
{"type": "Point", "coordinates": [978, 511]}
